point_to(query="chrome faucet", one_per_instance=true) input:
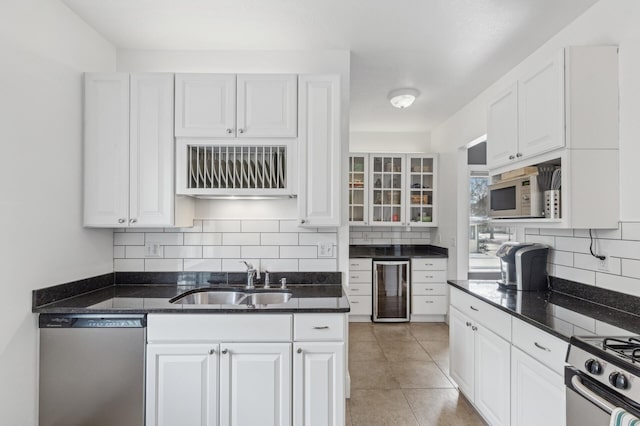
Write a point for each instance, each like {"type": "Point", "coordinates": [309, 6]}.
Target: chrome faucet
{"type": "Point", "coordinates": [252, 274]}
{"type": "Point", "coordinates": [267, 283]}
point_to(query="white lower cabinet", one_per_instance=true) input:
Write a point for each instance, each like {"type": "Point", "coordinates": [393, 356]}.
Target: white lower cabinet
{"type": "Point", "coordinates": [318, 387]}
{"type": "Point", "coordinates": [255, 384]}
{"type": "Point", "coordinates": [461, 352]}
{"type": "Point", "coordinates": [538, 393]}
{"type": "Point", "coordinates": [201, 373]}
{"type": "Point", "coordinates": [182, 380]}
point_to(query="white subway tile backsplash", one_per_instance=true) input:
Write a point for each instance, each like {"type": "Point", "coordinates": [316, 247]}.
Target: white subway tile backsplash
{"type": "Point", "coordinates": [143, 229]}
{"type": "Point", "coordinates": [183, 252]}
{"type": "Point", "coordinates": [619, 248]}
{"type": "Point", "coordinates": [564, 258]}
{"type": "Point", "coordinates": [298, 252]}
{"type": "Point", "coordinates": [127, 239]}
{"type": "Point", "coordinates": [542, 239]}
{"type": "Point", "coordinates": [309, 265]}
{"type": "Point", "coordinates": [240, 239]}
{"type": "Point", "coordinates": [292, 226]}
{"type": "Point", "coordinates": [128, 265]}
{"type": "Point", "coordinates": [612, 234]}
{"type": "Point", "coordinates": [557, 232]}
{"type": "Point", "coordinates": [531, 231]}
{"type": "Point", "coordinates": [260, 252]}
{"type": "Point", "coordinates": [631, 231]}
{"type": "Point", "coordinates": [197, 227]}
{"type": "Point", "coordinates": [118, 252]}
{"type": "Point", "coordinates": [363, 235]}
{"type": "Point", "coordinates": [573, 274]}
{"type": "Point", "coordinates": [203, 239]}
{"type": "Point", "coordinates": [166, 239]}
{"type": "Point", "coordinates": [208, 265]}
{"type": "Point", "coordinates": [163, 265]}
{"type": "Point", "coordinates": [618, 283]}
{"type": "Point", "coordinates": [279, 239]}
{"type": "Point", "coordinates": [314, 239]}
{"type": "Point", "coordinates": [260, 226]}
{"type": "Point", "coordinates": [586, 261]}
{"type": "Point", "coordinates": [137, 252]}
{"type": "Point", "coordinates": [576, 245]}
{"type": "Point", "coordinates": [221, 226]}
{"type": "Point", "coordinates": [237, 265]}
{"type": "Point", "coordinates": [220, 252]}
{"type": "Point", "coordinates": [630, 268]}
{"type": "Point", "coordinates": [280, 265]}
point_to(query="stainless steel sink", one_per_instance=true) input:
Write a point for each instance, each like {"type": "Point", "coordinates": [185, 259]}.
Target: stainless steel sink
{"type": "Point", "coordinates": [207, 296]}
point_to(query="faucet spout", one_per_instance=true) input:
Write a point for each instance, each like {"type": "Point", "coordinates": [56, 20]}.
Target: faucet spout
{"type": "Point", "coordinates": [251, 274]}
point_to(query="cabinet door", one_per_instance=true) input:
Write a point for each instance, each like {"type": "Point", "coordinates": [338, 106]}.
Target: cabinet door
{"type": "Point", "coordinates": [319, 151]}
{"type": "Point", "coordinates": [358, 189]}
{"type": "Point", "coordinates": [255, 384]}
{"type": "Point", "coordinates": [502, 128]}
{"type": "Point", "coordinates": [318, 384]}
{"type": "Point", "coordinates": [205, 105]}
{"type": "Point", "coordinates": [106, 150]}
{"type": "Point", "coordinates": [492, 373]}
{"type": "Point", "coordinates": [462, 351]}
{"type": "Point", "coordinates": [182, 385]}
{"type": "Point", "coordinates": [387, 183]}
{"type": "Point", "coordinates": [541, 109]}
{"type": "Point", "coordinates": [267, 105]}
{"type": "Point", "coordinates": [152, 193]}
{"type": "Point", "coordinates": [535, 386]}
{"type": "Point", "coordinates": [421, 190]}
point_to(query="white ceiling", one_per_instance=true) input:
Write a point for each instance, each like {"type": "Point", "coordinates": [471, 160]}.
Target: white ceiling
{"type": "Point", "coordinates": [450, 50]}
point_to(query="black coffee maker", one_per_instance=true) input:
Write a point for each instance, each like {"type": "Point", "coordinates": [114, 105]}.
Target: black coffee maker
{"type": "Point", "coordinates": [523, 266]}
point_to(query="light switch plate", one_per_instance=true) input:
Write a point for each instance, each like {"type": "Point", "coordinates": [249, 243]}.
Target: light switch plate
{"type": "Point", "coordinates": [325, 249]}
{"type": "Point", "coordinates": [152, 250]}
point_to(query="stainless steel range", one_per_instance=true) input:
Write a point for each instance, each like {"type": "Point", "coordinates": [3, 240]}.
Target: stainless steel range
{"type": "Point", "coordinates": [603, 373]}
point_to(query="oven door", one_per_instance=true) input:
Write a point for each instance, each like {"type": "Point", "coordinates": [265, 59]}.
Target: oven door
{"type": "Point", "coordinates": [590, 403]}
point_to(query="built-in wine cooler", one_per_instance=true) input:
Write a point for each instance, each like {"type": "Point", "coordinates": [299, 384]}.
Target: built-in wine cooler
{"type": "Point", "coordinates": [391, 291]}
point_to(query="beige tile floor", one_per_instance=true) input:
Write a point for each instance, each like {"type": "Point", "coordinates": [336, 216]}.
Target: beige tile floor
{"type": "Point", "coordinates": [400, 376]}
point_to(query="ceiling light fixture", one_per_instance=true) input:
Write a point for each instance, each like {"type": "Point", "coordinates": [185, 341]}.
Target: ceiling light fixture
{"type": "Point", "coordinates": [403, 98]}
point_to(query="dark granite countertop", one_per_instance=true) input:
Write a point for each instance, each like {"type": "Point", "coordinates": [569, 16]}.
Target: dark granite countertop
{"type": "Point", "coordinates": [395, 251]}
{"type": "Point", "coordinates": [555, 312]}
{"type": "Point", "coordinates": [141, 293]}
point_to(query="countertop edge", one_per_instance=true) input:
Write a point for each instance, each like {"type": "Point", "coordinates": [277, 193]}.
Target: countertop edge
{"type": "Point", "coordinates": [511, 312]}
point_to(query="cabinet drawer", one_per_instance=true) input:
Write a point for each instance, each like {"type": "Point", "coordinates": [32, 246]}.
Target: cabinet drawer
{"type": "Point", "coordinates": [429, 264]}
{"type": "Point", "coordinates": [359, 290]}
{"type": "Point", "coordinates": [360, 305]}
{"type": "Point", "coordinates": [541, 345]}
{"type": "Point", "coordinates": [318, 327]}
{"type": "Point", "coordinates": [360, 276]}
{"type": "Point", "coordinates": [429, 276]}
{"type": "Point", "coordinates": [427, 289]}
{"type": "Point", "coordinates": [210, 328]}
{"type": "Point", "coordinates": [360, 264]}
{"type": "Point", "coordinates": [492, 318]}
{"type": "Point", "coordinates": [429, 305]}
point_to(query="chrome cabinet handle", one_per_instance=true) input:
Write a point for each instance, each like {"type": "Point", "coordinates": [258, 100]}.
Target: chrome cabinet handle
{"type": "Point", "coordinates": [121, 220]}
{"type": "Point", "coordinates": [225, 351]}
{"type": "Point", "coordinates": [240, 131]}
{"type": "Point", "coordinates": [474, 328]}
{"type": "Point", "coordinates": [321, 327]}
{"type": "Point", "coordinates": [428, 301]}
{"type": "Point", "coordinates": [303, 221]}
{"type": "Point", "coordinates": [519, 155]}
{"type": "Point", "coordinates": [212, 351]}
{"type": "Point", "coordinates": [539, 346]}
{"type": "Point", "coordinates": [355, 302]}
{"type": "Point", "coordinates": [428, 276]}
{"type": "Point", "coordinates": [229, 131]}
{"type": "Point", "coordinates": [511, 157]}
{"type": "Point", "coordinates": [468, 324]}
{"type": "Point", "coordinates": [299, 350]}
{"type": "Point", "coordinates": [133, 220]}
{"type": "Point", "coordinates": [473, 309]}
{"type": "Point", "coordinates": [355, 289]}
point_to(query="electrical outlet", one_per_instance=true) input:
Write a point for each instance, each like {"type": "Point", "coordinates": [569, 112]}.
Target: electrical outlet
{"type": "Point", "coordinates": [152, 250]}
{"type": "Point", "coordinates": [453, 242]}
{"type": "Point", "coordinates": [603, 264]}
{"type": "Point", "coordinates": [325, 249]}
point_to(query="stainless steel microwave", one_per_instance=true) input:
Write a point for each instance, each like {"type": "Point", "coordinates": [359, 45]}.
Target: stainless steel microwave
{"type": "Point", "coordinates": [516, 198]}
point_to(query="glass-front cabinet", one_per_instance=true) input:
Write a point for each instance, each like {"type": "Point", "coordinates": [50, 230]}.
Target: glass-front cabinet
{"type": "Point", "coordinates": [358, 189]}
{"type": "Point", "coordinates": [421, 184]}
{"type": "Point", "coordinates": [387, 188]}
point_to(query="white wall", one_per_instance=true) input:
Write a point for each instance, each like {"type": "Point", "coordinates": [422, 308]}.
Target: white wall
{"type": "Point", "coordinates": [607, 22]}
{"type": "Point", "coordinates": [44, 48]}
{"type": "Point", "coordinates": [390, 142]}
{"type": "Point", "coordinates": [299, 62]}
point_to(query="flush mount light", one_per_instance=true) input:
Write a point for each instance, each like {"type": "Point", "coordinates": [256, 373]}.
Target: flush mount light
{"type": "Point", "coordinates": [403, 98]}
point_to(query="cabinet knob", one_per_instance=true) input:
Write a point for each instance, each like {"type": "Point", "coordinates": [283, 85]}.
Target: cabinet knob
{"type": "Point", "coordinates": [519, 155]}
{"type": "Point", "coordinates": [229, 131]}
{"type": "Point", "coordinates": [212, 351]}
{"type": "Point", "coordinates": [240, 131]}
{"type": "Point", "coordinates": [225, 351]}
{"type": "Point", "coordinates": [303, 221]}
{"type": "Point", "coordinates": [299, 350]}
{"type": "Point", "coordinates": [133, 220]}
{"type": "Point", "coordinates": [121, 220]}
{"type": "Point", "coordinates": [468, 324]}
{"type": "Point", "coordinates": [474, 328]}
{"type": "Point", "coordinates": [511, 157]}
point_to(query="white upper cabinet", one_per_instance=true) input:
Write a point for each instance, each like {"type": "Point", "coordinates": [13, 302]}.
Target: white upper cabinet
{"type": "Point", "coordinates": [129, 153]}
{"type": "Point", "coordinates": [246, 106]}
{"type": "Point", "coordinates": [319, 151]}
{"type": "Point", "coordinates": [541, 109]}
{"type": "Point", "coordinates": [106, 149]}
{"type": "Point", "coordinates": [502, 127]}
{"type": "Point", "coordinates": [205, 105]}
{"type": "Point", "coordinates": [267, 105]}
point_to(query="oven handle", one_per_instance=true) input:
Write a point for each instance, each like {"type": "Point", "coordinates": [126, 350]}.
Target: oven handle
{"type": "Point", "coordinates": [585, 392]}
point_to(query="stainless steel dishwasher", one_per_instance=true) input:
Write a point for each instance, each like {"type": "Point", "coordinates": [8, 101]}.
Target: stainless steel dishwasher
{"type": "Point", "coordinates": [92, 370]}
